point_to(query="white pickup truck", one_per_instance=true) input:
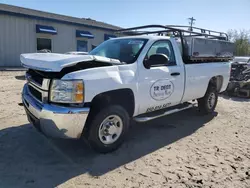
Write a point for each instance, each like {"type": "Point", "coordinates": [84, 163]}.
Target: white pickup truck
{"type": "Point", "coordinates": [95, 96]}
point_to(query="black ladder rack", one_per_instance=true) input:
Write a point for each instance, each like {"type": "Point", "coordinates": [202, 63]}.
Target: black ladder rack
{"type": "Point", "coordinates": [182, 32]}
{"type": "Point", "coordinates": [176, 30]}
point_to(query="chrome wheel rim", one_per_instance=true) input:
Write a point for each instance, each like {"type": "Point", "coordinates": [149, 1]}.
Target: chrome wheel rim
{"type": "Point", "coordinates": [110, 129]}
{"type": "Point", "coordinates": [211, 100]}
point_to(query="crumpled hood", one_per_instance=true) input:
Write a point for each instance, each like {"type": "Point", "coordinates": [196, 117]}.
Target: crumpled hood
{"type": "Point", "coordinates": [52, 62]}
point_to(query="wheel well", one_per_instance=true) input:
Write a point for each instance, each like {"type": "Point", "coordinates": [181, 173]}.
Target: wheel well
{"type": "Point", "coordinates": [122, 97]}
{"type": "Point", "coordinates": [217, 82]}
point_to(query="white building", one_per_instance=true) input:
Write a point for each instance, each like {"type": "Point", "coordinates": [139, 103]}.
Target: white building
{"type": "Point", "coordinates": [24, 30]}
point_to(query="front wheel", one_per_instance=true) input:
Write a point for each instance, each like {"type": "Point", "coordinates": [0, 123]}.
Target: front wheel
{"type": "Point", "coordinates": [108, 129]}
{"type": "Point", "coordinates": [208, 103]}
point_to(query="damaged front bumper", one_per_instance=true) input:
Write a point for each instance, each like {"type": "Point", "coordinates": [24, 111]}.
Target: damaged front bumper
{"type": "Point", "coordinates": [53, 120]}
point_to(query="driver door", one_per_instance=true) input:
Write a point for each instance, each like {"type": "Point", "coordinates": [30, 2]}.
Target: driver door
{"type": "Point", "coordinates": [161, 85]}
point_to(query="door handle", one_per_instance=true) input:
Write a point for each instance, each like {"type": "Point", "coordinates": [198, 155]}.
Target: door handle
{"type": "Point", "coordinates": [175, 74]}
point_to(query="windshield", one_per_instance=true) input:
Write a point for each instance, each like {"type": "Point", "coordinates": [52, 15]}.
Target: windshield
{"type": "Point", "coordinates": [125, 50]}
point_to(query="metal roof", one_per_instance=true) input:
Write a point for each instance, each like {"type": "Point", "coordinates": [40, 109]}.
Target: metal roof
{"type": "Point", "coordinates": [35, 14]}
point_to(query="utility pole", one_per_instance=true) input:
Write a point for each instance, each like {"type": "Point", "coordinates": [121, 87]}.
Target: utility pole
{"type": "Point", "coordinates": [191, 23]}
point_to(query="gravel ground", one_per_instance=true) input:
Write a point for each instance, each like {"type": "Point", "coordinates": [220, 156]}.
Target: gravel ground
{"type": "Point", "coordinates": [181, 150]}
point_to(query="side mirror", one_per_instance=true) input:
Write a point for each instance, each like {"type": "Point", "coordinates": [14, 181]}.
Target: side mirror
{"type": "Point", "coordinates": [156, 60]}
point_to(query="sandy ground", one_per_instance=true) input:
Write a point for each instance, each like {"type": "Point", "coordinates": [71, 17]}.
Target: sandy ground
{"type": "Point", "coordinates": [181, 150]}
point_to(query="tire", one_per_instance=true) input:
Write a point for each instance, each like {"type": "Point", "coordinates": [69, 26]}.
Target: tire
{"type": "Point", "coordinates": [101, 123]}
{"type": "Point", "coordinates": [208, 103]}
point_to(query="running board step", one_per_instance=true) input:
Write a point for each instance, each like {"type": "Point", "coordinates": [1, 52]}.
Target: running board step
{"type": "Point", "coordinates": [154, 115]}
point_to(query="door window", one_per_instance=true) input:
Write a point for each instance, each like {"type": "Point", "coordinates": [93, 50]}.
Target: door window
{"type": "Point", "coordinates": [44, 44]}
{"type": "Point", "coordinates": [82, 46]}
{"type": "Point", "coordinates": [162, 47]}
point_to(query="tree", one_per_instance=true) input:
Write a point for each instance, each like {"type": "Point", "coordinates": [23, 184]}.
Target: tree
{"type": "Point", "coordinates": [241, 39]}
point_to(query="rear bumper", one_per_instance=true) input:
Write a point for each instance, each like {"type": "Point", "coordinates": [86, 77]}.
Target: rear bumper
{"type": "Point", "coordinates": [53, 120]}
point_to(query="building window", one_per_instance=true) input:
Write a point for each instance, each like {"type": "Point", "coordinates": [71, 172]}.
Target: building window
{"type": "Point", "coordinates": [44, 44]}
{"type": "Point", "coordinates": [82, 46]}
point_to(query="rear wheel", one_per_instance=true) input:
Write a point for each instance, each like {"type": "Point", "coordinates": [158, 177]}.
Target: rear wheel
{"type": "Point", "coordinates": [108, 129]}
{"type": "Point", "coordinates": [208, 103]}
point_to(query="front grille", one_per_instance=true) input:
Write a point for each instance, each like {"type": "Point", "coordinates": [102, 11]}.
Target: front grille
{"type": "Point", "coordinates": [35, 77]}
{"type": "Point", "coordinates": [37, 94]}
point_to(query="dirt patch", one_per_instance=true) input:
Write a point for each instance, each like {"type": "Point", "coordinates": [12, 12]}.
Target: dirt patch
{"type": "Point", "coordinates": [181, 150]}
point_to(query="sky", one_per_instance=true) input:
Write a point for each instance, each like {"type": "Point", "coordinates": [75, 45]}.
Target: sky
{"type": "Point", "coordinates": [220, 15]}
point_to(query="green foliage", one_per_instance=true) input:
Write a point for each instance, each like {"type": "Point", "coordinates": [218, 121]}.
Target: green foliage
{"type": "Point", "coordinates": [241, 39]}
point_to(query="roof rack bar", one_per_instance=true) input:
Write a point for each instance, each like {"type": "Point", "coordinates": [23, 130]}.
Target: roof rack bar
{"type": "Point", "coordinates": [151, 32]}
{"type": "Point", "coordinates": [162, 31]}
{"type": "Point", "coordinates": [201, 29]}
{"type": "Point", "coordinates": [143, 27]}
{"type": "Point", "coordinates": [171, 28]}
{"type": "Point", "coordinates": [197, 28]}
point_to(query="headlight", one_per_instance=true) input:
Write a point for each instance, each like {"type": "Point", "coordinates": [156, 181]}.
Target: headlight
{"type": "Point", "coordinates": [67, 91]}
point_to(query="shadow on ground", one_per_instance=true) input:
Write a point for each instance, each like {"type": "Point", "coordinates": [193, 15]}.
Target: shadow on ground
{"type": "Point", "coordinates": [22, 77]}
{"type": "Point", "coordinates": [28, 159]}
{"type": "Point", "coordinates": [234, 98]}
